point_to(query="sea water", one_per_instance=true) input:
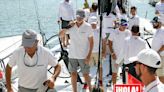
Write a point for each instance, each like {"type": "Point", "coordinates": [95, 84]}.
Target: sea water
{"type": "Point", "coordinates": [18, 15]}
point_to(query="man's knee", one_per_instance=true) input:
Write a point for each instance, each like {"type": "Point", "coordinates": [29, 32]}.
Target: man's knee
{"type": "Point", "coordinates": [73, 73]}
{"type": "Point", "coordinates": [114, 75]}
{"type": "Point", "coordinates": [86, 74]}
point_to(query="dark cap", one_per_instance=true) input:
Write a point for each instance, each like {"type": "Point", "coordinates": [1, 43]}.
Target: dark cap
{"type": "Point", "coordinates": [156, 20]}
{"type": "Point", "coordinates": [135, 29]}
{"type": "Point", "coordinates": [80, 13]}
{"type": "Point", "coordinates": [28, 38]}
{"type": "Point", "coordinates": [123, 22]}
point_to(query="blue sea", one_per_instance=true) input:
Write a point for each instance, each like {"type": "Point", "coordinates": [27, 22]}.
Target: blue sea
{"type": "Point", "coordinates": [18, 15]}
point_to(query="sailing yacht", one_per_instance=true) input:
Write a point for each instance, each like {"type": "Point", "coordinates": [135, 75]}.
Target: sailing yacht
{"type": "Point", "coordinates": [8, 44]}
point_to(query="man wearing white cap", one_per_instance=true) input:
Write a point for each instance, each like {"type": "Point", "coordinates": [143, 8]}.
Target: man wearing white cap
{"type": "Point", "coordinates": [32, 61]}
{"type": "Point", "coordinates": [134, 18]}
{"type": "Point", "coordinates": [95, 52]}
{"type": "Point", "coordinates": [147, 62]}
{"type": "Point", "coordinates": [80, 49]}
{"type": "Point", "coordinates": [96, 31]}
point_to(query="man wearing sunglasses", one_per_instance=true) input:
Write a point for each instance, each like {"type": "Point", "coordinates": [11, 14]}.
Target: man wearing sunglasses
{"type": "Point", "coordinates": [32, 61]}
{"type": "Point", "coordinates": [132, 46]}
{"type": "Point", "coordinates": [147, 62]}
{"type": "Point", "coordinates": [116, 42]}
{"type": "Point", "coordinates": [158, 44]}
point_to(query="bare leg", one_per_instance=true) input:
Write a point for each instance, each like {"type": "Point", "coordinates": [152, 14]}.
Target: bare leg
{"type": "Point", "coordinates": [114, 78]}
{"type": "Point", "coordinates": [73, 81]}
{"type": "Point", "coordinates": [88, 81]}
{"type": "Point", "coordinates": [101, 75]}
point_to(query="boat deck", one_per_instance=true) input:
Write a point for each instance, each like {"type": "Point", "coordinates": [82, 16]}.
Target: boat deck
{"type": "Point", "coordinates": [9, 44]}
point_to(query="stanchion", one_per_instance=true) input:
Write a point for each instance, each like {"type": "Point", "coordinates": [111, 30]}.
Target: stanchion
{"type": "Point", "coordinates": [126, 75]}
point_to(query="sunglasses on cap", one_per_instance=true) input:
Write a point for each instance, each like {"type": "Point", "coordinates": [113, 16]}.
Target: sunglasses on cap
{"type": "Point", "coordinates": [124, 24]}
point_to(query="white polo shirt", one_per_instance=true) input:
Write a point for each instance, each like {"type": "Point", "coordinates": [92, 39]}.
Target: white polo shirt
{"type": "Point", "coordinates": [155, 86]}
{"type": "Point", "coordinates": [133, 45]}
{"type": "Point", "coordinates": [96, 37]}
{"type": "Point", "coordinates": [108, 21]}
{"type": "Point", "coordinates": [32, 77]}
{"type": "Point", "coordinates": [160, 8]}
{"type": "Point", "coordinates": [79, 40]}
{"type": "Point", "coordinates": [158, 39]}
{"type": "Point", "coordinates": [118, 37]}
{"type": "Point", "coordinates": [66, 11]}
{"type": "Point", "coordinates": [133, 21]}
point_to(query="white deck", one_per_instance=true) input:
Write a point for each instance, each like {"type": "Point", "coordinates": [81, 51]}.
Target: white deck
{"type": "Point", "coordinates": [9, 44]}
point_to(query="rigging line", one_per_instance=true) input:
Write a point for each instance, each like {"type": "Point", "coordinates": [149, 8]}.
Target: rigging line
{"type": "Point", "coordinates": [38, 21]}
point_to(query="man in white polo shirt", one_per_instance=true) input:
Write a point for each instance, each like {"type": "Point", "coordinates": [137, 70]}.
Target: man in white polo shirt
{"type": "Point", "coordinates": [65, 15]}
{"type": "Point", "coordinates": [159, 7]}
{"type": "Point", "coordinates": [80, 49]}
{"type": "Point", "coordinates": [116, 42]}
{"type": "Point", "coordinates": [95, 52]}
{"type": "Point", "coordinates": [146, 63]}
{"type": "Point", "coordinates": [134, 18]}
{"type": "Point", "coordinates": [132, 46]}
{"type": "Point", "coordinates": [96, 34]}
{"type": "Point", "coordinates": [158, 44]}
{"type": "Point", "coordinates": [32, 61]}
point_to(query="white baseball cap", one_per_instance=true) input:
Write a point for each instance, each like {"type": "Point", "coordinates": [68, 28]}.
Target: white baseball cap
{"type": "Point", "coordinates": [147, 57]}
{"type": "Point", "coordinates": [92, 20]}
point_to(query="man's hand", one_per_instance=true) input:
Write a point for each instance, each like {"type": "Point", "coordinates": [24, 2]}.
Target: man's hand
{"type": "Point", "coordinates": [72, 23]}
{"type": "Point", "coordinates": [103, 55]}
{"type": "Point", "coordinates": [116, 65]}
{"type": "Point", "coordinates": [87, 61]}
{"type": "Point", "coordinates": [50, 83]}
{"type": "Point", "coordinates": [59, 21]}
{"type": "Point", "coordinates": [113, 56]}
